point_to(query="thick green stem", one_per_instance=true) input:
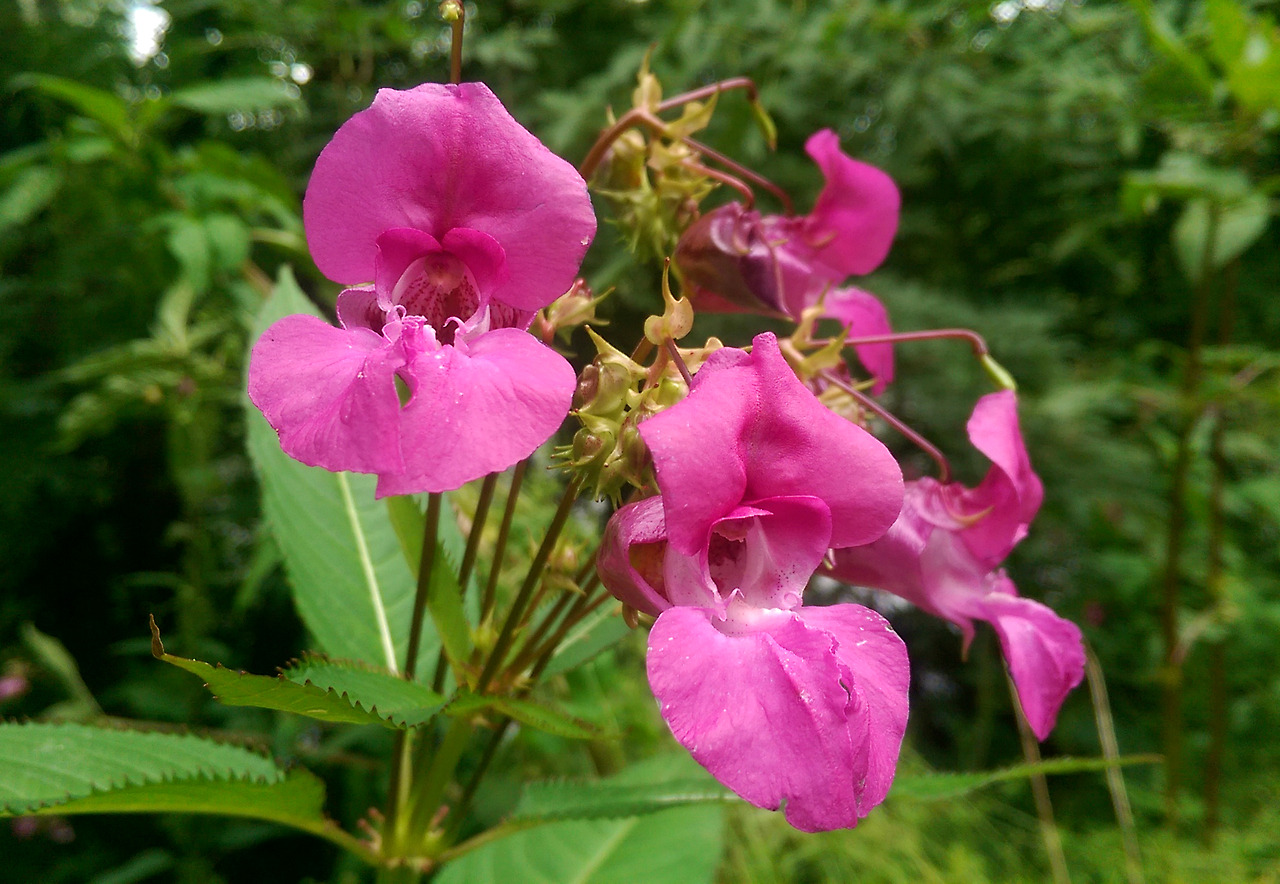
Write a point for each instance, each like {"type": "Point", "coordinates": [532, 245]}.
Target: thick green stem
{"type": "Point", "coordinates": [428, 799]}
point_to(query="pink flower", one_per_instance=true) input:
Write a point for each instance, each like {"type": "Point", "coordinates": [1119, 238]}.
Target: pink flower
{"type": "Point", "coordinates": [736, 259]}
{"type": "Point", "coordinates": [943, 552]}
{"type": "Point", "coordinates": [465, 225]}
{"type": "Point", "coordinates": [783, 703]}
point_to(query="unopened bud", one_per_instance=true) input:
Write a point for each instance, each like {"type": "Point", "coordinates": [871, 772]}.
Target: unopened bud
{"type": "Point", "coordinates": [676, 320]}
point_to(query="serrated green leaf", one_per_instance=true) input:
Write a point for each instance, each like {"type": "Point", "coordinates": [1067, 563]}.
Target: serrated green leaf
{"type": "Point", "coordinates": [405, 702]}
{"type": "Point", "coordinates": [362, 697]}
{"type": "Point", "coordinates": [70, 769]}
{"type": "Point", "coordinates": [528, 712]}
{"type": "Point", "coordinates": [936, 786]}
{"type": "Point", "coordinates": [47, 764]}
{"type": "Point", "coordinates": [245, 94]}
{"type": "Point", "coordinates": [350, 580]}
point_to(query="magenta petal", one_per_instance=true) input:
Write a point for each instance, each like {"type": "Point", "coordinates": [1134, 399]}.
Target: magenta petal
{"type": "Point", "coordinates": [397, 249]}
{"type": "Point", "coordinates": [1011, 491]}
{"type": "Point", "coordinates": [478, 412]}
{"type": "Point", "coordinates": [879, 674]}
{"type": "Point", "coordinates": [1045, 653]}
{"type": "Point", "coordinates": [748, 431]}
{"type": "Point", "coordinates": [763, 711]}
{"type": "Point", "coordinates": [441, 157]}
{"type": "Point", "coordinates": [863, 314]}
{"type": "Point", "coordinates": [330, 393]}
{"type": "Point", "coordinates": [483, 256]}
{"type": "Point", "coordinates": [631, 554]}
{"type": "Point", "coordinates": [853, 223]}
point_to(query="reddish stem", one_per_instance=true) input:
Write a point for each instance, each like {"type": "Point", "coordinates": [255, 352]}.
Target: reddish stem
{"type": "Point", "coordinates": [944, 468]}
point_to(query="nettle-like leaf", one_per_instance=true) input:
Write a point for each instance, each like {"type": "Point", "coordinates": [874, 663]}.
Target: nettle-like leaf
{"type": "Point", "coordinates": [72, 768]}
{"type": "Point", "coordinates": [401, 702]}
{"type": "Point", "coordinates": [350, 581]}
{"type": "Point", "coordinates": [350, 693]}
{"type": "Point", "coordinates": [937, 786]}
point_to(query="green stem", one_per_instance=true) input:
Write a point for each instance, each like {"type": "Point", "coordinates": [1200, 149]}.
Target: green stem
{"type": "Point", "coordinates": [429, 797]}
{"type": "Point", "coordinates": [1172, 723]}
{"type": "Point", "coordinates": [1040, 792]}
{"type": "Point", "coordinates": [402, 766]}
{"type": "Point", "coordinates": [1115, 775]}
{"type": "Point", "coordinates": [516, 616]}
{"type": "Point", "coordinates": [430, 530]}
{"type": "Point", "coordinates": [500, 547]}
{"type": "Point", "coordinates": [1216, 584]}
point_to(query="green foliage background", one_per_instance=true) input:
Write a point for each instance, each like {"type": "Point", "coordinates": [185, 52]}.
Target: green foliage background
{"type": "Point", "coordinates": [1048, 154]}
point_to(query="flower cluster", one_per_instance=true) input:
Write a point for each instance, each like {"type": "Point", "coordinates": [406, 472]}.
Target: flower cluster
{"type": "Point", "coordinates": [452, 227]}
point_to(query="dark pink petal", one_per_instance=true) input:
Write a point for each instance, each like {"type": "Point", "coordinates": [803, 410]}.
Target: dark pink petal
{"type": "Point", "coordinates": [1044, 651]}
{"type": "Point", "coordinates": [482, 254]}
{"type": "Point", "coordinates": [879, 674]}
{"type": "Point", "coordinates": [330, 393]}
{"type": "Point", "coordinates": [763, 711]}
{"type": "Point", "coordinates": [441, 157]}
{"type": "Point", "coordinates": [631, 554]}
{"type": "Point", "coordinates": [865, 317]}
{"type": "Point", "coordinates": [748, 431]}
{"type": "Point", "coordinates": [397, 249]}
{"type": "Point", "coordinates": [479, 411]}
{"type": "Point", "coordinates": [853, 223]}
{"type": "Point", "coordinates": [1011, 490]}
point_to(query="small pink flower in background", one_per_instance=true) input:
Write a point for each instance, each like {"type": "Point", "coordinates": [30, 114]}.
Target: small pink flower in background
{"type": "Point", "coordinates": [943, 552]}
{"type": "Point", "coordinates": [785, 704]}
{"type": "Point", "coordinates": [465, 225]}
{"type": "Point", "coordinates": [737, 259]}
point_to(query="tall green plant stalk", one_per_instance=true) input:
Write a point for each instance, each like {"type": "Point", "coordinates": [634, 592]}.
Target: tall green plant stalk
{"type": "Point", "coordinates": [1217, 584]}
{"type": "Point", "coordinates": [1171, 674]}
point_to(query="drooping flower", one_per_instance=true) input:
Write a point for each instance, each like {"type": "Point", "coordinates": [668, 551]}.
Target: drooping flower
{"type": "Point", "coordinates": [454, 224]}
{"type": "Point", "coordinates": [736, 259]}
{"type": "Point", "coordinates": [943, 554]}
{"type": "Point", "coordinates": [782, 702]}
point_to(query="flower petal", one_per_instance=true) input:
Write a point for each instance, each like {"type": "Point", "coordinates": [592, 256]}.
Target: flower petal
{"type": "Point", "coordinates": [1011, 490]}
{"type": "Point", "coordinates": [479, 411]}
{"type": "Point", "coordinates": [763, 711]}
{"type": "Point", "coordinates": [1044, 651]}
{"type": "Point", "coordinates": [440, 157]}
{"type": "Point", "coordinates": [330, 393]}
{"type": "Point", "coordinates": [878, 676]}
{"type": "Point", "coordinates": [631, 553]}
{"type": "Point", "coordinates": [863, 314]}
{"type": "Point", "coordinates": [748, 431]}
{"type": "Point", "coordinates": [853, 223]}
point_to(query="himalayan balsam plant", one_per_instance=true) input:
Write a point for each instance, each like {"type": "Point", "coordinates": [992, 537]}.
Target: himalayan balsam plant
{"type": "Point", "coordinates": [738, 474]}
